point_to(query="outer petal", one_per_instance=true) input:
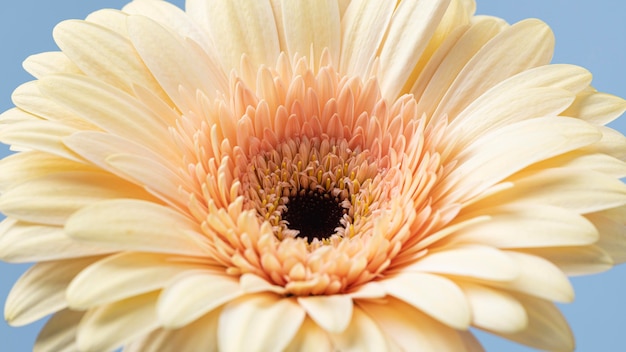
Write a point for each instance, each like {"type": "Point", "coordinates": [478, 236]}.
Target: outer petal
{"type": "Point", "coordinates": [122, 276]}
{"type": "Point", "coordinates": [310, 338]}
{"type": "Point", "coordinates": [59, 333]}
{"type": "Point", "coordinates": [331, 313]}
{"type": "Point", "coordinates": [363, 27]}
{"type": "Point", "coordinates": [412, 330]}
{"type": "Point", "coordinates": [121, 224]}
{"type": "Point", "coordinates": [434, 295]}
{"type": "Point", "coordinates": [240, 27]}
{"type": "Point", "coordinates": [412, 25]}
{"type": "Point", "coordinates": [251, 322]}
{"type": "Point", "coordinates": [494, 310]}
{"type": "Point", "coordinates": [110, 326]}
{"type": "Point", "coordinates": [194, 294]}
{"type": "Point", "coordinates": [312, 25]}
{"type": "Point", "coordinates": [201, 335]}
{"type": "Point", "coordinates": [362, 334]}
{"type": "Point", "coordinates": [41, 290]}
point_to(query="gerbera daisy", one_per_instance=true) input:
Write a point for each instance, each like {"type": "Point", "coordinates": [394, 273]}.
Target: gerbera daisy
{"type": "Point", "coordinates": [306, 175]}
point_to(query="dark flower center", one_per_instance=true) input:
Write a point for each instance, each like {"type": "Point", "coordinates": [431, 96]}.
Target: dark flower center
{"type": "Point", "coordinates": [314, 215]}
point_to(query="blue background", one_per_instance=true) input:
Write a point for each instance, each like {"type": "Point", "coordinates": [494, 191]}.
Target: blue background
{"type": "Point", "coordinates": [591, 34]}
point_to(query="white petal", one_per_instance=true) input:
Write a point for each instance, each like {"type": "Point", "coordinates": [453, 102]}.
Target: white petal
{"type": "Point", "coordinates": [42, 136]}
{"type": "Point", "coordinates": [434, 295]}
{"type": "Point", "coordinates": [41, 290]}
{"type": "Point", "coordinates": [544, 226]}
{"type": "Point", "coordinates": [312, 25]}
{"type": "Point", "coordinates": [109, 327]}
{"type": "Point", "coordinates": [494, 310]}
{"type": "Point", "coordinates": [410, 329]}
{"type": "Point", "coordinates": [412, 25]}
{"type": "Point", "coordinates": [59, 333]}
{"type": "Point", "coordinates": [135, 225]}
{"type": "Point", "coordinates": [122, 276]}
{"type": "Point", "coordinates": [363, 26]}
{"type": "Point", "coordinates": [331, 313]}
{"type": "Point", "coordinates": [583, 260]}
{"type": "Point", "coordinates": [473, 261]}
{"type": "Point", "coordinates": [193, 295]}
{"type": "Point", "coordinates": [251, 322]}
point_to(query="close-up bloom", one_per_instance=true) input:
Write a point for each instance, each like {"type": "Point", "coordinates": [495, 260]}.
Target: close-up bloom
{"type": "Point", "coordinates": [304, 175]}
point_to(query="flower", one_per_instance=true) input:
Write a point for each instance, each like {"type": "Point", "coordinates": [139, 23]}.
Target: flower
{"type": "Point", "coordinates": [306, 175]}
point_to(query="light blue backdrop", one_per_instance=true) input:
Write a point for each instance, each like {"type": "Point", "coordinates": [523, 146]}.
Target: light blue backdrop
{"type": "Point", "coordinates": [589, 33]}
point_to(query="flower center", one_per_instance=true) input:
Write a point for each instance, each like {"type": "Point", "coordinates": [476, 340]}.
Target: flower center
{"type": "Point", "coordinates": [314, 215]}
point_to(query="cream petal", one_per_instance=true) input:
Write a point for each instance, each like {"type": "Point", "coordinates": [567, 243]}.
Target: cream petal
{"type": "Point", "coordinates": [611, 235]}
{"type": "Point", "coordinates": [112, 19]}
{"type": "Point", "coordinates": [121, 115]}
{"type": "Point", "coordinates": [174, 18]}
{"type": "Point", "coordinates": [434, 295]}
{"type": "Point", "coordinates": [41, 290]}
{"type": "Point", "coordinates": [538, 277]}
{"type": "Point", "coordinates": [524, 45]}
{"type": "Point", "coordinates": [125, 275]}
{"type": "Point", "coordinates": [194, 294]}
{"type": "Point", "coordinates": [582, 160]}
{"type": "Point", "coordinates": [109, 327]}
{"type": "Point", "coordinates": [200, 335]}
{"type": "Point", "coordinates": [121, 224]}
{"type": "Point", "coordinates": [157, 178]}
{"type": "Point", "coordinates": [250, 323]}
{"type": "Point", "coordinates": [184, 67]}
{"type": "Point", "coordinates": [310, 338]}
{"type": "Point", "coordinates": [29, 97]}
{"type": "Point", "coordinates": [574, 261]}
{"type": "Point", "coordinates": [546, 330]}
{"type": "Point", "coordinates": [410, 329]}
{"type": "Point", "coordinates": [431, 86]}
{"type": "Point", "coordinates": [50, 63]}
{"type": "Point", "coordinates": [60, 195]}
{"type": "Point", "coordinates": [44, 136]}
{"type": "Point", "coordinates": [251, 283]}
{"type": "Point", "coordinates": [581, 191]}
{"type": "Point", "coordinates": [544, 226]}
{"type": "Point", "coordinates": [596, 108]}
{"type": "Point", "coordinates": [363, 27]}
{"type": "Point", "coordinates": [240, 27]}
{"type": "Point", "coordinates": [24, 166]}
{"type": "Point", "coordinates": [104, 55]}
{"type": "Point", "coordinates": [331, 313]}
{"type": "Point", "coordinates": [25, 242]}
{"type": "Point", "coordinates": [498, 108]}
{"type": "Point", "coordinates": [500, 153]}
{"type": "Point", "coordinates": [312, 25]}
{"type": "Point", "coordinates": [408, 34]}
{"type": "Point", "coordinates": [473, 261]}
{"type": "Point", "coordinates": [59, 333]}
{"type": "Point", "coordinates": [363, 334]}
{"type": "Point", "coordinates": [494, 310]}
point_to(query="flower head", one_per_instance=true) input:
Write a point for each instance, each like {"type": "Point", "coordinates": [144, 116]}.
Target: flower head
{"type": "Point", "coordinates": [298, 175]}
